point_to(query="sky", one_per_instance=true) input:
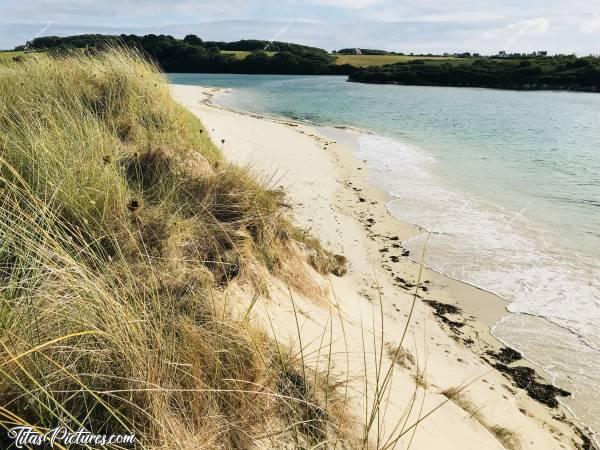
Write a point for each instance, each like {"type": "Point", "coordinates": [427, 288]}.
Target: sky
{"type": "Point", "coordinates": [419, 26]}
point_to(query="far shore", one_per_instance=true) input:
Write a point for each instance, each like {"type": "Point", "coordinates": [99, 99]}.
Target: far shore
{"type": "Point", "coordinates": [331, 196]}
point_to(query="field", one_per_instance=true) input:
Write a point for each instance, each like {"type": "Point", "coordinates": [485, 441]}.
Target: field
{"type": "Point", "coordinates": [380, 60]}
{"type": "Point", "coordinates": [8, 56]}
{"type": "Point", "coordinates": [242, 54]}
{"type": "Point", "coordinates": [357, 60]}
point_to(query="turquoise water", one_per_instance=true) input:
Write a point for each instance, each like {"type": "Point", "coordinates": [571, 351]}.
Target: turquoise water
{"type": "Point", "coordinates": [509, 182]}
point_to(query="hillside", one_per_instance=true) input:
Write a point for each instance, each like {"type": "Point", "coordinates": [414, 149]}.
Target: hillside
{"type": "Point", "coordinates": [529, 73]}
{"type": "Point", "coordinates": [121, 228]}
{"type": "Point", "coordinates": [192, 54]}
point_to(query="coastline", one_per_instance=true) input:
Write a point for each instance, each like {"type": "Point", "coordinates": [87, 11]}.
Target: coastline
{"type": "Point", "coordinates": [464, 313]}
{"type": "Point", "coordinates": [509, 87]}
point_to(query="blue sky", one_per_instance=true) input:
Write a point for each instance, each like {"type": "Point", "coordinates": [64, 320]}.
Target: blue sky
{"type": "Point", "coordinates": [566, 26]}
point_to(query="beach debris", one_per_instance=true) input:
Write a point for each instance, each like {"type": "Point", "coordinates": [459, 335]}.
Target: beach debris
{"type": "Point", "coordinates": [403, 283]}
{"type": "Point", "coordinates": [441, 310]}
{"type": "Point", "coordinates": [525, 378]}
{"type": "Point", "coordinates": [505, 355]}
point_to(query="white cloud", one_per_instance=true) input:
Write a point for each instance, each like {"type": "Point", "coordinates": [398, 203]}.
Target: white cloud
{"type": "Point", "coordinates": [531, 26]}
{"type": "Point", "coordinates": [347, 4]}
{"type": "Point", "coordinates": [507, 37]}
{"type": "Point", "coordinates": [591, 26]}
{"type": "Point", "coordinates": [538, 25]}
{"type": "Point", "coordinates": [404, 25]}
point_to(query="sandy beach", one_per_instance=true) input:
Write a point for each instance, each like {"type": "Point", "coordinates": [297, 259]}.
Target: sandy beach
{"type": "Point", "coordinates": [444, 391]}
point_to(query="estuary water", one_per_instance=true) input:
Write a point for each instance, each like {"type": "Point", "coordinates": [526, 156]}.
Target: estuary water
{"type": "Point", "coordinates": [507, 181]}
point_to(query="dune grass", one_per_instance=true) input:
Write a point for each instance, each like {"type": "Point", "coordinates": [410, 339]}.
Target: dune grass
{"type": "Point", "coordinates": [120, 225]}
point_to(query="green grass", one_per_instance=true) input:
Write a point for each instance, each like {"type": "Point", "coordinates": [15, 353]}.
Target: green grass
{"type": "Point", "coordinates": [9, 55]}
{"type": "Point", "coordinates": [356, 60]}
{"type": "Point", "coordinates": [380, 60]}
{"type": "Point", "coordinates": [242, 54]}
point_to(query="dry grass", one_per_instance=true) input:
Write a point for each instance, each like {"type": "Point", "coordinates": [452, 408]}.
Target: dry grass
{"type": "Point", "coordinates": [400, 356]}
{"type": "Point", "coordinates": [507, 438]}
{"type": "Point", "coordinates": [420, 379]}
{"type": "Point", "coordinates": [120, 223]}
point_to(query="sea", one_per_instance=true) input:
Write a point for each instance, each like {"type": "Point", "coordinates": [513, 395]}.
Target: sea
{"type": "Point", "coordinates": [507, 182]}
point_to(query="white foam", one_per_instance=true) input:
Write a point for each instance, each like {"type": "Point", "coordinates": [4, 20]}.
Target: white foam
{"type": "Point", "coordinates": [503, 252]}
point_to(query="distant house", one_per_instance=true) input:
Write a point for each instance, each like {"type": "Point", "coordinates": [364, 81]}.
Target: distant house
{"type": "Point", "coordinates": [357, 51]}
{"type": "Point", "coordinates": [502, 54]}
{"type": "Point", "coordinates": [542, 53]}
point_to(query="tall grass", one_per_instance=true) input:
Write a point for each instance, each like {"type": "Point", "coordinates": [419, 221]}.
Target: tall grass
{"type": "Point", "coordinates": [119, 224]}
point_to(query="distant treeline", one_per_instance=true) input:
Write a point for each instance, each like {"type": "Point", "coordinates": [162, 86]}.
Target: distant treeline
{"type": "Point", "coordinates": [192, 54]}
{"type": "Point", "coordinates": [527, 73]}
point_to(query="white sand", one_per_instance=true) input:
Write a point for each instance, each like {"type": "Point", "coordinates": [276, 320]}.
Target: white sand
{"type": "Point", "coordinates": [321, 179]}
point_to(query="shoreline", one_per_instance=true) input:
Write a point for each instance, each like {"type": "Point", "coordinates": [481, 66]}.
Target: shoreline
{"type": "Point", "coordinates": [500, 304]}
{"type": "Point", "coordinates": [591, 90]}
{"type": "Point", "coordinates": [491, 311]}
{"type": "Point", "coordinates": [352, 132]}
{"type": "Point", "coordinates": [464, 311]}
